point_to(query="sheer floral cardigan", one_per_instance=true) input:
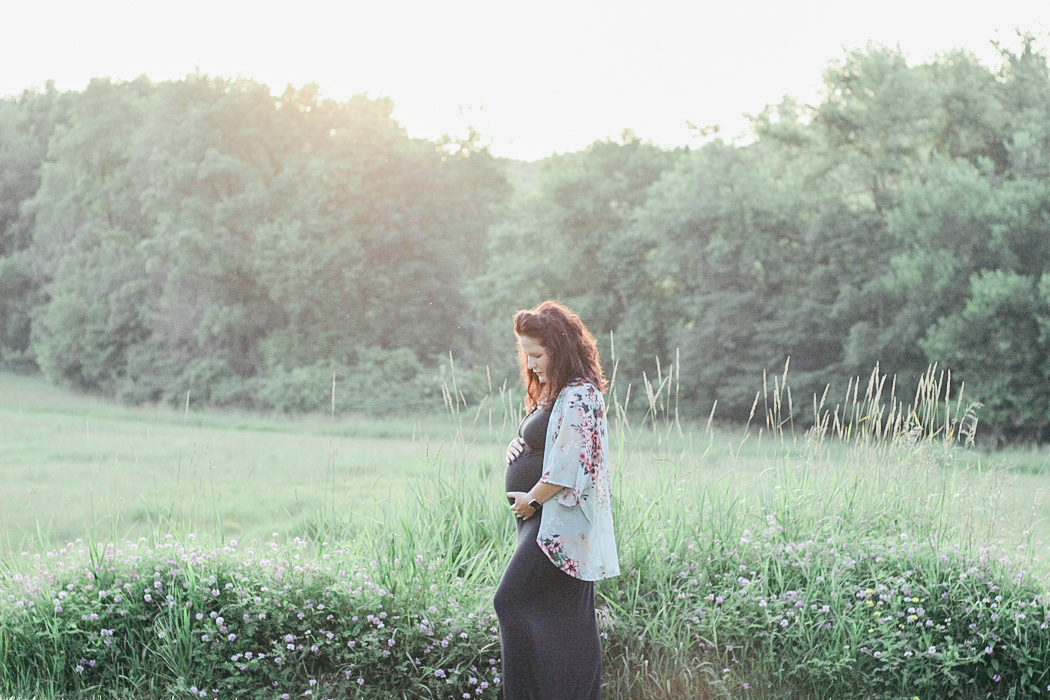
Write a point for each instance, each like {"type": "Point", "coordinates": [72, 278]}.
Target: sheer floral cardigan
{"type": "Point", "coordinates": [576, 525]}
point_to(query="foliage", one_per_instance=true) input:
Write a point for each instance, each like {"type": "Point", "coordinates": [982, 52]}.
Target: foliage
{"type": "Point", "coordinates": [212, 237]}
{"type": "Point", "coordinates": [258, 620]}
{"type": "Point", "coordinates": [569, 236]}
{"type": "Point", "coordinates": [204, 231]}
{"type": "Point", "coordinates": [382, 382]}
{"type": "Point", "coordinates": [996, 342]}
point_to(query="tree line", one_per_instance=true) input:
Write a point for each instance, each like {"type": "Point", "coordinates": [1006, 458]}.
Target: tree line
{"type": "Point", "coordinates": [208, 240]}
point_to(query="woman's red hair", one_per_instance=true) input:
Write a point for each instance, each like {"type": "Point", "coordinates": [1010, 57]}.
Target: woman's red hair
{"type": "Point", "coordinates": [572, 349]}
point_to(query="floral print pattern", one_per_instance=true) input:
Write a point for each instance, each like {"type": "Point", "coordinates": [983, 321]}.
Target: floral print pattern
{"type": "Point", "coordinates": [576, 526]}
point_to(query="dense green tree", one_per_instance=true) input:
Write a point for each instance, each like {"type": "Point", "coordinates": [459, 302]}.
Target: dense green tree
{"type": "Point", "coordinates": [995, 345]}
{"type": "Point", "coordinates": [950, 215]}
{"type": "Point", "coordinates": [205, 156]}
{"type": "Point", "coordinates": [940, 235]}
{"type": "Point", "coordinates": [376, 244]}
{"type": "Point", "coordinates": [968, 117]}
{"type": "Point", "coordinates": [878, 117]}
{"type": "Point", "coordinates": [740, 267]}
{"type": "Point", "coordinates": [26, 126]}
{"type": "Point", "coordinates": [570, 238]}
{"type": "Point", "coordinates": [1024, 91]}
{"type": "Point", "coordinates": [86, 224]}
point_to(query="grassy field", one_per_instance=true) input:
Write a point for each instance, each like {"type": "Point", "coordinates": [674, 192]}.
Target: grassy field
{"type": "Point", "coordinates": [875, 556]}
{"type": "Point", "coordinates": [76, 465]}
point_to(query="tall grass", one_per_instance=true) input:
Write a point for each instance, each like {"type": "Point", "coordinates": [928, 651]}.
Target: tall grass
{"type": "Point", "coordinates": [870, 556]}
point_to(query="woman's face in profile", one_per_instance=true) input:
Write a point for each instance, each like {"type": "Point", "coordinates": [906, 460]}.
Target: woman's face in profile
{"type": "Point", "coordinates": [536, 358]}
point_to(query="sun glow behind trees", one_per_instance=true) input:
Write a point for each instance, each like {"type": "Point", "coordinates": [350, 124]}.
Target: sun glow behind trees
{"type": "Point", "coordinates": [549, 77]}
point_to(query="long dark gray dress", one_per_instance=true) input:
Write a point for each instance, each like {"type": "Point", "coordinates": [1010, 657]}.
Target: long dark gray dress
{"type": "Point", "coordinates": [548, 632]}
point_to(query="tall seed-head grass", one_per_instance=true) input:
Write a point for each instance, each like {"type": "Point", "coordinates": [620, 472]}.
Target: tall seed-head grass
{"type": "Point", "coordinates": [878, 464]}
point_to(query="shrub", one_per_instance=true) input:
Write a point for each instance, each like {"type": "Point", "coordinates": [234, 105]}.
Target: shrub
{"type": "Point", "coordinates": [262, 620]}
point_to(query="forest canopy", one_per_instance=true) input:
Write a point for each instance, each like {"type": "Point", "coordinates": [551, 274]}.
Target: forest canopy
{"type": "Point", "coordinates": [208, 240]}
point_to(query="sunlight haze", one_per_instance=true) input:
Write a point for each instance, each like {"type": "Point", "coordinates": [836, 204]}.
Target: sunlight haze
{"type": "Point", "coordinates": [533, 78]}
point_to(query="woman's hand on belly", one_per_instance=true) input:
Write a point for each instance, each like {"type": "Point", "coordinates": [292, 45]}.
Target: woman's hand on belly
{"type": "Point", "coordinates": [514, 449]}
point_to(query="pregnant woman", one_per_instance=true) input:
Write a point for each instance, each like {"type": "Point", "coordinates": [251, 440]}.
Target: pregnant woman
{"type": "Point", "coordinates": [558, 487]}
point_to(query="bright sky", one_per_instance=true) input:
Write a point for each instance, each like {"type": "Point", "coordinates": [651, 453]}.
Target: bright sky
{"type": "Point", "coordinates": [534, 77]}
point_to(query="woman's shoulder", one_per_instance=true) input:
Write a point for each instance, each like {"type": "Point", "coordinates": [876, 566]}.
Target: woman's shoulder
{"type": "Point", "coordinates": [582, 391]}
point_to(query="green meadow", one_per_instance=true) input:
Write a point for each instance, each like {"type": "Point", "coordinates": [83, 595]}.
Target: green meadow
{"type": "Point", "coordinates": [75, 464]}
{"type": "Point", "coordinates": [153, 552]}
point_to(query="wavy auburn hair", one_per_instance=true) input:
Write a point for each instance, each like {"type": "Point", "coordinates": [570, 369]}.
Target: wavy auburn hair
{"type": "Point", "coordinates": [572, 349]}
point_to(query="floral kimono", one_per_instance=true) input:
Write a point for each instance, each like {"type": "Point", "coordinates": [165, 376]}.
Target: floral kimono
{"type": "Point", "coordinates": [576, 526]}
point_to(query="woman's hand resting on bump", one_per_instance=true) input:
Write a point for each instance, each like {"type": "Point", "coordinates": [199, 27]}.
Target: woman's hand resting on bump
{"type": "Point", "coordinates": [519, 504]}
{"type": "Point", "coordinates": [514, 449]}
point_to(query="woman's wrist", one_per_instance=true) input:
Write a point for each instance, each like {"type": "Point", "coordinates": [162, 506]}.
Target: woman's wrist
{"type": "Point", "coordinates": [542, 492]}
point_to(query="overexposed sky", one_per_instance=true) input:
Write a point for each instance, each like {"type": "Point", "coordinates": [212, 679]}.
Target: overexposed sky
{"type": "Point", "coordinates": [534, 77]}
